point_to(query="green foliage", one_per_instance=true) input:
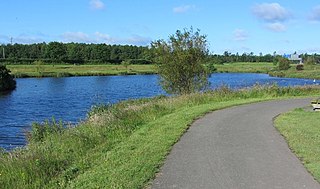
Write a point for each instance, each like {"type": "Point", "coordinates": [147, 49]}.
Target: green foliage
{"type": "Point", "coordinates": [126, 64]}
{"type": "Point", "coordinates": [211, 67]}
{"type": "Point", "coordinates": [39, 66]}
{"type": "Point", "coordinates": [299, 67]}
{"type": "Point", "coordinates": [75, 53]}
{"type": "Point", "coordinates": [283, 63]}
{"type": "Point", "coordinates": [179, 62]}
{"type": "Point", "coordinates": [310, 61]}
{"type": "Point", "coordinates": [39, 131]}
{"type": "Point", "coordinates": [7, 82]}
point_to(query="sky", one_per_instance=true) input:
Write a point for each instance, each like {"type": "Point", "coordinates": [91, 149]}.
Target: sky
{"type": "Point", "coordinates": [244, 26]}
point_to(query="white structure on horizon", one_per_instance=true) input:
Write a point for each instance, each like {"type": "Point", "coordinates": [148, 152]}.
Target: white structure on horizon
{"type": "Point", "coordinates": [293, 58]}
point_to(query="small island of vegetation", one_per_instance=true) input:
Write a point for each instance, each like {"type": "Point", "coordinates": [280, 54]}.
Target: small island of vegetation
{"type": "Point", "coordinates": [7, 83]}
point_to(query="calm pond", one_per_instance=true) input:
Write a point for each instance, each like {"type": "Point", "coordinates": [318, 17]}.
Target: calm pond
{"type": "Point", "coordinates": [70, 98]}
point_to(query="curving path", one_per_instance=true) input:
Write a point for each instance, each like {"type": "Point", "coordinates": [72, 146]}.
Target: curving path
{"type": "Point", "coordinates": [236, 148]}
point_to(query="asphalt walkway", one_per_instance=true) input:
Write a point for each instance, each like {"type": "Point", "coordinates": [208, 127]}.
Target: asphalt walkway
{"type": "Point", "coordinates": [236, 148]}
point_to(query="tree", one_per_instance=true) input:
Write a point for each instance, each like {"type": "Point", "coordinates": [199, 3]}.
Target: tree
{"type": "Point", "coordinates": [7, 82]}
{"type": "Point", "coordinates": [310, 60]}
{"type": "Point", "coordinates": [56, 51]}
{"type": "Point", "coordinates": [39, 66]}
{"type": "Point", "coordinates": [283, 63]}
{"type": "Point", "coordinates": [180, 62]}
{"type": "Point", "coordinates": [126, 64]}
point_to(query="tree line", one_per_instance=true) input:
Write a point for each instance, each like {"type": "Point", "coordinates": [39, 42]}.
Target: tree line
{"type": "Point", "coordinates": [228, 57]}
{"type": "Point", "coordinates": [82, 53]}
{"type": "Point", "coordinates": [76, 53]}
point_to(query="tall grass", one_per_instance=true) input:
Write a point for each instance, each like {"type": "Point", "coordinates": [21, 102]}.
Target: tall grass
{"type": "Point", "coordinates": [120, 145]}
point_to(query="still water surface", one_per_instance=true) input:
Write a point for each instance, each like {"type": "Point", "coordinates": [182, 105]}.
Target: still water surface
{"type": "Point", "coordinates": [70, 98]}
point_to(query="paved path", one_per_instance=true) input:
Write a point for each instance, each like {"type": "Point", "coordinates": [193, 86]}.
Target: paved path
{"type": "Point", "coordinates": [236, 148]}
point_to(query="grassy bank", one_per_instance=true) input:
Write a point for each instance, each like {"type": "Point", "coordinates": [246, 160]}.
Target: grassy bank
{"type": "Point", "coordinates": [312, 72]}
{"type": "Point", "coordinates": [119, 146]}
{"type": "Point", "coordinates": [245, 67]}
{"type": "Point", "coordinates": [301, 129]}
{"type": "Point", "coordinates": [59, 70]}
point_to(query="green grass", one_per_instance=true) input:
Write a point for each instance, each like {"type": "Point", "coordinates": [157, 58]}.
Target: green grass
{"type": "Point", "coordinates": [59, 70]}
{"type": "Point", "coordinates": [246, 67]}
{"type": "Point", "coordinates": [119, 146]}
{"type": "Point", "coordinates": [312, 72]}
{"type": "Point", "coordinates": [301, 129]}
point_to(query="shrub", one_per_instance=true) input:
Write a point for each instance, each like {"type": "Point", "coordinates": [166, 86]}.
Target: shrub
{"type": "Point", "coordinates": [180, 62]}
{"type": "Point", "coordinates": [283, 63]}
{"type": "Point", "coordinates": [7, 82]}
{"type": "Point", "coordinates": [299, 67]}
{"type": "Point", "coordinates": [39, 131]}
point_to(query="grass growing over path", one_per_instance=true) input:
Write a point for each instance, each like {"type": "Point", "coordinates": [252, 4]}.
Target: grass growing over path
{"type": "Point", "coordinates": [63, 70]}
{"type": "Point", "coordinates": [119, 146]}
{"type": "Point", "coordinates": [301, 128]}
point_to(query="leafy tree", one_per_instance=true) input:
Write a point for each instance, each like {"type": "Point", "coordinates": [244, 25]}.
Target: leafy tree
{"type": "Point", "coordinates": [283, 63]}
{"type": "Point", "coordinates": [126, 64]}
{"type": "Point", "coordinates": [56, 51]}
{"type": "Point", "coordinates": [7, 82]}
{"type": "Point", "coordinates": [39, 66]}
{"type": "Point", "coordinates": [180, 62]}
{"type": "Point", "coordinates": [310, 61]}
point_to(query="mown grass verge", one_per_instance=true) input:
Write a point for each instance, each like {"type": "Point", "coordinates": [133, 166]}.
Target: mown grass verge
{"type": "Point", "coordinates": [119, 146]}
{"type": "Point", "coordinates": [301, 129]}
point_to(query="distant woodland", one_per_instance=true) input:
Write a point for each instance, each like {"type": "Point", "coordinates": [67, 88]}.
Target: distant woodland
{"type": "Point", "coordinates": [75, 53]}
{"type": "Point", "coordinates": [81, 53]}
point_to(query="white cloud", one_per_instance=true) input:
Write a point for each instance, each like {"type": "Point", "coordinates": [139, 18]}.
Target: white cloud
{"type": "Point", "coordinates": [240, 35]}
{"type": "Point", "coordinates": [96, 4]}
{"type": "Point", "coordinates": [271, 12]}
{"type": "Point", "coordinates": [105, 38]}
{"type": "Point", "coordinates": [98, 37]}
{"type": "Point", "coordinates": [276, 27]}
{"type": "Point", "coordinates": [139, 40]}
{"type": "Point", "coordinates": [22, 39]}
{"type": "Point", "coordinates": [183, 8]}
{"type": "Point", "coordinates": [76, 37]}
{"type": "Point", "coordinates": [315, 14]}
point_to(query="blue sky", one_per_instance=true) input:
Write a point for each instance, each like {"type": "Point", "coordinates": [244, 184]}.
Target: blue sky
{"type": "Point", "coordinates": [236, 26]}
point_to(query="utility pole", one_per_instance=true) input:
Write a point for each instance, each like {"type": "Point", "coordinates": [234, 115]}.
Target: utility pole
{"type": "Point", "coordinates": [11, 40]}
{"type": "Point", "coordinates": [3, 54]}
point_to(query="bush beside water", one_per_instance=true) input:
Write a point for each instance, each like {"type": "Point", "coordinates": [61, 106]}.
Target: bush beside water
{"type": "Point", "coordinates": [7, 83]}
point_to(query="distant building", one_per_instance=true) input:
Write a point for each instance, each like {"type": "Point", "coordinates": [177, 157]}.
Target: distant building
{"type": "Point", "coordinates": [294, 58]}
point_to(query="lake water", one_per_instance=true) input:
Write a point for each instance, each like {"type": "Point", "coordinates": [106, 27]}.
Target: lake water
{"type": "Point", "coordinates": [70, 98]}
